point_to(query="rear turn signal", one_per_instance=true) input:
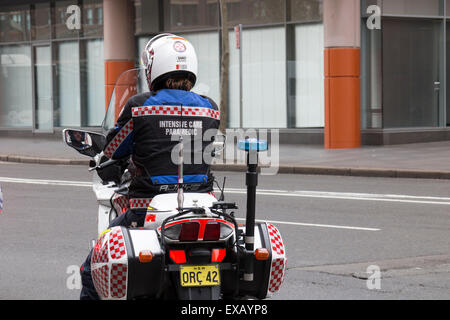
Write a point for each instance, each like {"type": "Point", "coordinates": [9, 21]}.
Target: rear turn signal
{"type": "Point", "coordinates": [262, 254]}
{"type": "Point", "coordinates": [145, 256]}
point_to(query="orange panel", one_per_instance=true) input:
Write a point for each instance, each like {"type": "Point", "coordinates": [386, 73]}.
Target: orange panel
{"type": "Point", "coordinates": [342, 113]}
{"type": "Point", "coordinates": [342, 62]}
{"type": "Point", "coordinates": [121, 96]}
{"type": "Point", "coordinates": [113, 69]}
{"type": "Point", "coordinates": [342, 98]}
{"type": "Point", "coordinates": [326, 131]}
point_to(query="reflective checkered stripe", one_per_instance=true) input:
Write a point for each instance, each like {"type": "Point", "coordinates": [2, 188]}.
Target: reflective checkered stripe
{"type": "Point", "coordinates": [117, 247]}
{"type": "Point", "coordinates": [140, 203]}
{"type": "Point", "coordinates": [100, 253]}
{"type": "Point", "coordinates": [275, 239]}
{"type": "Point", "coordinates": [278, 265]}
{"type": "Point", "coordinates": [115, 143]}
{"type": "Point", "coordinates": [278, 269]}
{"type": "Point", "coordinates": [100, 278]}
{"type": "Point", "coordinates": [109, 265]}
{"type": "Point", "coordinates": [175, 111]}
{"type": "Point", "coordinates": [118, 282]}
{"type": "Point", "coordinates": [212, 194]}
{"type": "Point", "coordinates": [121, 203]}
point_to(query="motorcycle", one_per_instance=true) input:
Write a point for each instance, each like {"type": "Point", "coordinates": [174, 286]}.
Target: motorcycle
{"type": "Point", "coordinates": [190, 246]}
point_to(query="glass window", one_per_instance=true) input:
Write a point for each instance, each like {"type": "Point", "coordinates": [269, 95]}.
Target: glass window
{"type": "Point", "coordinates": [99, 13]}
{"type": "Point", "coordinates": [95, 82]}
{"type": "Point", "coordinates": [92, 18]}
{"type": "Point", "coordinates": [146, 16]}
{"type": "Point", "coordinates": [16, 86]}
{"type": "Point", "coordinates": [308, 70]}
{"type": "Point", "coordinates": [305, 10]}
{"type": "Point", "coordinates": [255, 11]}
{"type": "Point", "coordinates": [412, 7]}
{"type": "Point", "coordinates": [264, 78]}
{"type": "Point", "coordinates": [448, 75]}
{"type": "Point", "coordinates": [411, 53]}
{"type": "Point", "coordinates": [371, 82]}
{"type": "Point", "coordinates": [138, 17]}
{"type": "Point", "coordinates": [61, 16]}
{"type": "Point", "coordinates": [207, 45]}
{"type": "Point", "coordinates": [14, 24]}
{"type": "Point", "coordinates": [41, 22]}
{"type": "Point", "coordinates": [67, 107]}
{"type": "Point", "coordinates": [191, 14]}
{"type": "Point", "coordinates": [44, 87]}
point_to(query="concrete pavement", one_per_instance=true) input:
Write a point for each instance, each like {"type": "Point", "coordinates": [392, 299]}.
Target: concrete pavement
{"type": "Point", "coordinates": [421, 160]}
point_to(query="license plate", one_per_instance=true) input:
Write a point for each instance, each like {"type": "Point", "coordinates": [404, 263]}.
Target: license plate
{"type": "Point", "coordinates": [199, 276]}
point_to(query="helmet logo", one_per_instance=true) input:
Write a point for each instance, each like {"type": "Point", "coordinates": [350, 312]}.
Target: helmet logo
{"type": "Point", "coordinates": [179, 46]}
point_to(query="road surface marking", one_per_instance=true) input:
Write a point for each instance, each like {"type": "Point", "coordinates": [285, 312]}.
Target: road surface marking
{"type": "Point", "coordinates": [278, 193]}
{"type": "Point", "coordinates": [47, 182]}
{"type": "Point", "coordinates": [315, 225]}
{"type": "Point", "coordinates": [242, 191]}
{"type": "Point", "coordinates": [348, 196]}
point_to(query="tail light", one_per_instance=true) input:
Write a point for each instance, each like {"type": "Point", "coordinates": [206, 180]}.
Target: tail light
{"type": "Point", "coordinates": [212, 231]}
{"type": "Point", "coordinates": [198, 229]}
{"type": "Point", "coordinates": [189, 231]}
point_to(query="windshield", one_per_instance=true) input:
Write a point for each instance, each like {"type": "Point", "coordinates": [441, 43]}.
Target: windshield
{"type": "Point", "coordinates": [129, 83]}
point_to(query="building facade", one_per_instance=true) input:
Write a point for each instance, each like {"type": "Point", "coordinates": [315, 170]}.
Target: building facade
{"type": "Point", "coordinates": [57, 74]}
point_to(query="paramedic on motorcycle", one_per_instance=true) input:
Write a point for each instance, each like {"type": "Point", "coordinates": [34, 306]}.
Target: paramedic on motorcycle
{"type": "Point", "coordinates": [144, 131]}
{"type": "Point", "coordinates": [77, 139]}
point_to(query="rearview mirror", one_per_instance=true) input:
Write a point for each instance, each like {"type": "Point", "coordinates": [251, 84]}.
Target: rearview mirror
{"type": "Point", "coordinates": [85, 142]}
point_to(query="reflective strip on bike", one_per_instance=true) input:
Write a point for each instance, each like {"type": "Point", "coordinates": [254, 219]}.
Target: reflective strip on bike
{"type": "Point", "coordinates": [140, 203]}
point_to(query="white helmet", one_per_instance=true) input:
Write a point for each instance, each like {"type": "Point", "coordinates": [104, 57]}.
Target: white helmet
{"type": "Point", "coordinates": [166, 55]}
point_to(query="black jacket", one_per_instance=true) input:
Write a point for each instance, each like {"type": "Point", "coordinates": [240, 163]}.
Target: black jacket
{"type": "Point", "coordinates": [148, 128]}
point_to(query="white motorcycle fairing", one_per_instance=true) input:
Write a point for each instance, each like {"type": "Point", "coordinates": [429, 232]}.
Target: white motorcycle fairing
{"type": "Point", "coordinates": [103, 193]}
{"type": "Point", "coordinates": [165, 205]}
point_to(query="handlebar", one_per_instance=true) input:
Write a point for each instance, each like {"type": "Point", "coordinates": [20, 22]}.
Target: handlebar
{"type": "Point", "coordinates": [104, 165]}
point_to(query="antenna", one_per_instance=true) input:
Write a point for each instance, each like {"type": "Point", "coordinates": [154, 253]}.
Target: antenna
{"type": "Point", "coordinates": [222, 196]}
{"type": "Point", "coordinates": [180, 196]}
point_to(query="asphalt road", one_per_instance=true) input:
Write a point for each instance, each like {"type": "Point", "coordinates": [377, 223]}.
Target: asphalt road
{"type": "Point", "coordinates": [334, 228]}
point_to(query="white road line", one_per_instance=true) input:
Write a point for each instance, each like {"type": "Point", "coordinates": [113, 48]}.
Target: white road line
{"type": "Point", "coordinates": [348, 196]}
{"type": "Point", "coordinates": [316, 225]}
{"type": "Point", "coordinates": [278, 193]}
{"type": "Point", "coordinates": [243, 191]}
{"type": "Point", "coordinates": [47, 182]}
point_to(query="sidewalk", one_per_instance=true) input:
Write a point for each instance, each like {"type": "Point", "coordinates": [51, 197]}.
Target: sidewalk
{"type": "Point", "coordinates": [422, 160]}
